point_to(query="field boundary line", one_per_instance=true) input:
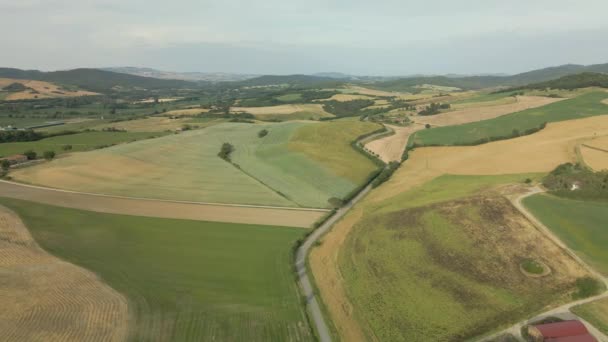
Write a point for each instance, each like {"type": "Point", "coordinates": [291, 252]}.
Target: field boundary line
{"type": "Point", "coordinates": [595, 148]}
{"type": "Point", "coordinates": [163, 200]}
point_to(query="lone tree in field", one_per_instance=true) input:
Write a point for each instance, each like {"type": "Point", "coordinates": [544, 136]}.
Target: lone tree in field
{"type": "Point", "coordinates": [225, 151]}
{"type": "Point", "coordinates": [427, 126]}
{"type": "Point", "coordinates": [49, 155]}
{"type": "Point", "coordinates": [262, 133]}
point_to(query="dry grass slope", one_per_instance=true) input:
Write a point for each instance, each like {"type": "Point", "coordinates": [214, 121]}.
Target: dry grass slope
{"type": "Point", "coordinates": [40, 90]}
{"type": "Point", "coordinates": [46, 299]}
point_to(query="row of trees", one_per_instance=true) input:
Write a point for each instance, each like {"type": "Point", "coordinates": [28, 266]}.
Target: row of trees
{"type": "Point", "coordinates": [434, 108]}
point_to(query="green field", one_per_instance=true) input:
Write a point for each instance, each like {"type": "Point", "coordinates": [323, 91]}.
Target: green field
{"type": "Point", "coordinates": [583, 106]}
{"type": "Point", "coordinates": [185, 280]}
{"type": "Point", "coordinates": [80, 142]}
{"type": "Point", "coordinates": [481, 97]}
{"type": "Point", "coordinates": [289, 97]}
{"type": "Point", "coordinates": [442, 263]}
{"type": "Point", "coordinates": [580, 224]}
{"type": "Point", "coordinates": [595, 313]}
{"type": "Point", "coordinates": [280, 169]}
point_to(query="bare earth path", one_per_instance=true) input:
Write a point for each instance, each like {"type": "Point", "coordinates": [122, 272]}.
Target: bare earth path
{"type": "Point", "coordinates": [293, 217]}
{"type": "Point", "coordinates": [564, 310]}
{"type": "Point", "coordinates": [43, 298]}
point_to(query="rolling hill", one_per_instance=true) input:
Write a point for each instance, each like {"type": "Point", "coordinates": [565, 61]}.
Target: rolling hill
{"type": "Point", "coordinates": [94, 79]}
{"type": "Point", "coordinates": [479, 82]}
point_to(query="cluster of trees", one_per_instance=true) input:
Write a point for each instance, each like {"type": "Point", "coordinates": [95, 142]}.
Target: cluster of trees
{"type": "Point", "coordinates": [265, 98]}
{"type": "Point", "coordinates": [570, 82]}
{"type": "Point", "coordinates": [15, 87]}
{"type": "Point", "coordinates": [590, 185]}
{"type": "Point", "coordinates": [225, 151]}
{"type": "Point", "coordinates": [347, 108]}
{"type": "Point", "coordinates": [18, 136]}
{"type": "Point", "coordinates": [434, 108]}
{"type": "Point", "coordinates": [386, 173]}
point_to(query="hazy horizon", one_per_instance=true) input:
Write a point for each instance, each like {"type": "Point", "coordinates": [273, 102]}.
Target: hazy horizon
{"type": "Point", "coordinates": [386, 38]}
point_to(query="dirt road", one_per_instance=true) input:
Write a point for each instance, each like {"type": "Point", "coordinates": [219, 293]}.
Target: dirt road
{"type": "Point", "coordinates": [274, 216]}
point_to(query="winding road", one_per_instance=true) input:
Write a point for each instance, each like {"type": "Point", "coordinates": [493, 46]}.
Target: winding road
{"type": "Point", "coordinates": [312, 304]}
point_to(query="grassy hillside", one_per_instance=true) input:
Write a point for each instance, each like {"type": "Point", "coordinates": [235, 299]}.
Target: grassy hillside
{"type": "Point", "coordinates": [583, 80]}
{"type": "Point", "coordinates": [94, 79]}
{"type": "Point", "coordinates": [185, 280]}
{"type": "Point", "coordinates": [580, 224]}
{"type": "Point", "coordinates": [79, 142]}
{"type": "Point", "coordinates": [284, 168]}
{"type": "Point", "coordinates": [479, 82]}
{"type": "Point", "coordinates": [441, 262]}
{"type": "Point", "coordinates": [586, 105]}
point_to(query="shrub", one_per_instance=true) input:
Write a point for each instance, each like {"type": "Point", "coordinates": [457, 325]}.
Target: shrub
{"type": "Point", "coordinates": [587, 287]}
{"type": "Point", "coordinates": [262, 133]}
{"type": "Point", "coordinates": [31, 155]}
{"type": "Point", "coordinates": [66, 147]}
{"type": "Point", "coordinates": [49, 155]}
{"type": "Point", "coordinates": [225, 151]}
{"type": "Point", "coordinates": [5, 164]}
{"type": "Point", "coordinates": [427, 126]}
{"type": "Point", "coordinates": [335, 202]}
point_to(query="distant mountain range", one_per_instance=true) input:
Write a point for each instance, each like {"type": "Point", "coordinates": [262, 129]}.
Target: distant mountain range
{"type": "Point", "coordinates": [112, 79]}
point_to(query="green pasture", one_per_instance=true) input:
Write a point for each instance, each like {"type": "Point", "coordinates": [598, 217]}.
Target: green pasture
{"type": "Point", "coordinates": [184, 280]}
{"type": "Point", "coordinates": [582, 225]}
{"type": "Point", "coordinates": [80, 142]}
{"type": "Point", "coordinates": [595, 313]}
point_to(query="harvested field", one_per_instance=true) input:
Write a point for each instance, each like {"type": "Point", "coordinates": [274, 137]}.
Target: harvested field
{"type": "Point", "coordinates": [392, 147]}
{"type": "Point", "coordinates": [46, 299]}
{"type": "Point", "coordinates": [162, 209]}
{"type": "Point", "coordinates": [480, 112]}
{"type": "Point", "coordinates": [595, 153]}
{"type": "Point", "coordinates": [40, 90]}
{"type": "Point", "coordinates": [183, 280]}
{"type": "Point", "coordinates": [281, 109]}
{"type": "Point", "coordinates": [186, 112]}
{"type": "Point", "coordinates": [514, 124]}
{"type": "Point", "coordinates": [159, 124]}
{"type": "Point", "coordinates": [540, 152]}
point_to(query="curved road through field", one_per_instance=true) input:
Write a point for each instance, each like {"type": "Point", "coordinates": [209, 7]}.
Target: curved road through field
{"type": "Point", "coordinates": [562, 311]}
{"type": "Point", "coordinates": [312, 304]}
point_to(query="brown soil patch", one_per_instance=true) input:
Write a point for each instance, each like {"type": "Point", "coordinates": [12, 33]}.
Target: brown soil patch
{"type": "Point", "coordinates": [391, 148]}
{"type": "Point", "coordinates": [540, 152]}
{"type": "Point", "coordinates": [40, 90]}
{"type": "Point", "coordinates": [282, 109]}
{"type": "Point", "coordinates": [165, 209]}
{"type": "Point", "coordinates": [46, 299]}
{"type": "Point", "coordinates": [479, 113]}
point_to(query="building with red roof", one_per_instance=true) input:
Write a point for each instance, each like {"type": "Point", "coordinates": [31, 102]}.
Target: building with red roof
{"type": "Point", "coordinates": [565, 331]}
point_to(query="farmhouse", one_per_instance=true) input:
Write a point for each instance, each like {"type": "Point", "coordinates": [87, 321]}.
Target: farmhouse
{"type": "Point", "coordinates": [566, 331]}
{"type": "Point", "coordinates": [15, 159]}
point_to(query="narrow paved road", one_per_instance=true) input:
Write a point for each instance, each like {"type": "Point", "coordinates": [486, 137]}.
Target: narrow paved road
{"type": "Point", "coordinates": [312, 304]}
{"type": "Point", "coordinates": [564, 310]}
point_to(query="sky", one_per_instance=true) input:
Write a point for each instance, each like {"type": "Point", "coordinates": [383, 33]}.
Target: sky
{"type": "Point", "coordinates": [382, 37]}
